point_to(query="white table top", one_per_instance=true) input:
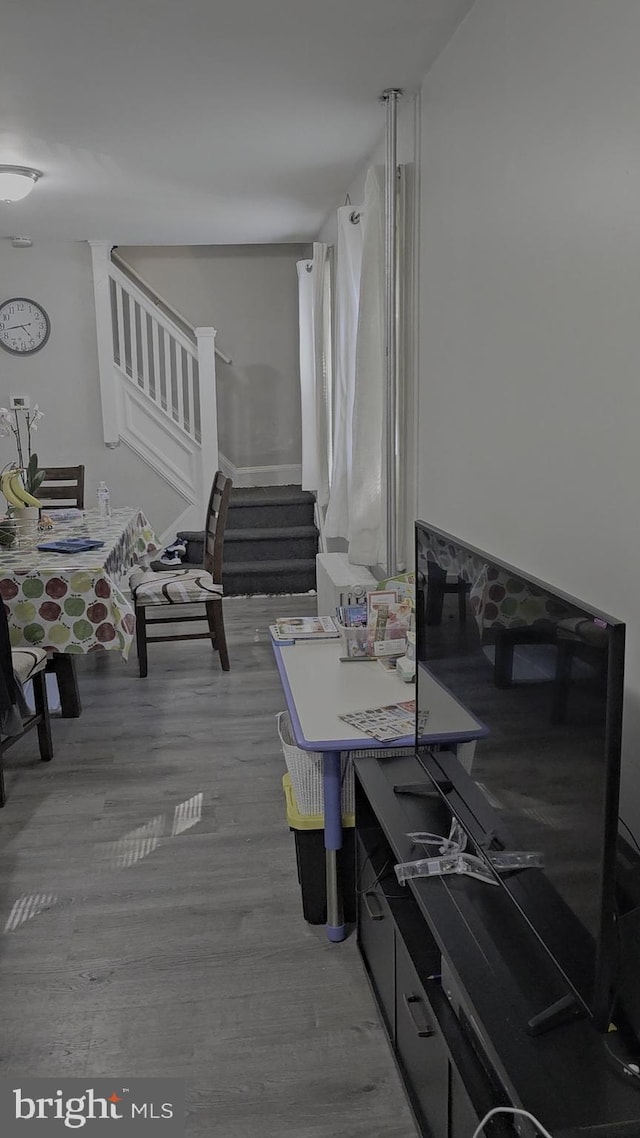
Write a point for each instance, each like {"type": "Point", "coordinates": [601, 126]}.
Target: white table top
{"type": "Point", "coordinates": [319, 687]}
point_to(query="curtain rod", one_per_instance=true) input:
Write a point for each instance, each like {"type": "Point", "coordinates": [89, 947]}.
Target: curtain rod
{"type": "Point", "coordinates": [390, 98]}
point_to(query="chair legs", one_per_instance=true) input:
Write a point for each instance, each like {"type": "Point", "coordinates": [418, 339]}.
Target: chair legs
{"type": "Point", "coordinates": [41, 721]}
{"type": "Point", "coordinates": [141, 639]}
{"type": "Point", "coordinates": [41, 702]}
{"type": "Point", "coordinates": [63, 667]}
{"type": "Point", "coordinates": [215, 620]}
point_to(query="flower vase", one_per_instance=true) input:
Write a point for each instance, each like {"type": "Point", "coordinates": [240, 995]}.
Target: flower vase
{"type": "Point", "coordinates": [27, 526]}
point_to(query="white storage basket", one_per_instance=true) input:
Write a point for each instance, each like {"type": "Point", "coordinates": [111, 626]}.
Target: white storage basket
{"type": "Point", "coordinates": [305, 769]}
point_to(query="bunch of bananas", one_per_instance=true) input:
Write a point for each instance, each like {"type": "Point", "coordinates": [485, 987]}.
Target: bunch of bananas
{"type": "Point", "coordinates": [13, 489]}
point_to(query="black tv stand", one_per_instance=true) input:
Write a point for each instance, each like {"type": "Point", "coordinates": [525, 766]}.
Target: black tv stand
{"type": "Point", "coordinates": [458, 976]}
{"type": "Point", "coordinates": [416, 789]}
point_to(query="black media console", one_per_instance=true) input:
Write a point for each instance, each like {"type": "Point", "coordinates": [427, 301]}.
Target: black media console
{"type": "Point", "coordinates": [458, 976]}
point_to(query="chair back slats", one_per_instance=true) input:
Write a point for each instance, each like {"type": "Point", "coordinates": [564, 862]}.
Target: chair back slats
{"type": "Point", "coordinates": [211, 599]}
{"type": "Point", "coordinates": [62, 487]}
{"type": "Point", "coordinates": [215, 523]}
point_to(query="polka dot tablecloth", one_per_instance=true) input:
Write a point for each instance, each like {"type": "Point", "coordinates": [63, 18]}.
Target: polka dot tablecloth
{"type": "Point", "coordinates": [77, 603]}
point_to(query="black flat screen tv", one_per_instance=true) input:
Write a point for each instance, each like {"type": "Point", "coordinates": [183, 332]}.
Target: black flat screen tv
{"type": "Point", "coordinates": [543, 671]}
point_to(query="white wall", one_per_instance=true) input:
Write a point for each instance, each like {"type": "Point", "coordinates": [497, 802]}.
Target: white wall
{"type": "Point", "coordinates": [249, 293]}
{"type": "Point", "coordinates": [530, 302]}
{"type": "Point", "coordinates": [63, 379]}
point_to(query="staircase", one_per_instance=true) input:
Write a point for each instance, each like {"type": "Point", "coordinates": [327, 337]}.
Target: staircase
{"type": "Point", "coordinates": [157, 383]}
{"type": "Point", "coordinates": [270, 542]}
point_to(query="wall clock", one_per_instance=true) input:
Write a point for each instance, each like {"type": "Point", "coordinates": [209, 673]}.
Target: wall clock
{"type": "Point", "coordinates": [24, 326]}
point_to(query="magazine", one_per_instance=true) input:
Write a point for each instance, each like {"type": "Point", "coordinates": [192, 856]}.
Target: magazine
{"type": "Point", "coordinates": [403, 584]}
{"type": "Point", "coordinates": [353, 616]}
{"type": "Point", "coordinates": [385, 723]}
{"type": "Point", "coordinates": [304, 628]}
{"type": "Point", "coordinates": [375, 629]}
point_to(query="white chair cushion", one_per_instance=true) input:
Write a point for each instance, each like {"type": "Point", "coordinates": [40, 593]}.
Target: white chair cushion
{"type": "Point", "coordinates": [173, 587]}
{"type": "Point", "coordinates": [27, 661]}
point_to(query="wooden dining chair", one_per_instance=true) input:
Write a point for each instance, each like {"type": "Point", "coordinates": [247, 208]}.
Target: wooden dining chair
{"type": "Point", "coordinates": [62, 488]}
{"type": "Point", "coordinates": [173, 589]}
{"type": "Point", "coordinates": [17, 667]}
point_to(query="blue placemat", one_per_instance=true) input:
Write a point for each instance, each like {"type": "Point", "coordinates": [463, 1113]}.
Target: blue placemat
{"type": "Point", "coordinates": [70, 545]}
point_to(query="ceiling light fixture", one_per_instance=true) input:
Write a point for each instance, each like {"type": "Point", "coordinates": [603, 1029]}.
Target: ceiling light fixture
{"type": "Point", "coordinates": [16, 182]}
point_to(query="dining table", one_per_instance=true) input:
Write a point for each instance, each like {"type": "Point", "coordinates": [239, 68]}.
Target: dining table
{"type": "Point", "coordinates": [76, 602]}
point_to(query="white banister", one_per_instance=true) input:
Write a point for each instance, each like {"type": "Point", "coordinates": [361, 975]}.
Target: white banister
{"type": "Point", "coordinates": [132, 290]}
{"type": "Point", "coordinates": [130, 273]}
{"type": "Point", "coordinates": [157, 385]}
{"type": "Point", "coordinates": [206, 338]}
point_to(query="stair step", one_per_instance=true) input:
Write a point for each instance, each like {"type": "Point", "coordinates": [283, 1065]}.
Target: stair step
{"type": "Point", "coordinates": [286, 533]}
{"type": "Point", "coordinates": [270, 495]}
{"type": "Point", "coordinates": [245, 515]}
{"type": "Point", "coordinates": [271, 577]}
{"type": "Point", "coordinates": [292, 542]}
{"type": "Point", "coordinates": [258, 506]}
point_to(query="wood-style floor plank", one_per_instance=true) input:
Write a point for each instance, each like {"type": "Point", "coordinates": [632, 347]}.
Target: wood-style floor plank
{"type": "Point", "coordinates": [151, 910]}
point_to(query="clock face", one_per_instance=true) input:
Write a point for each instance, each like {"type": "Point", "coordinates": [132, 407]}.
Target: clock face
{"type": "Point", "coordinates": [24, 326]}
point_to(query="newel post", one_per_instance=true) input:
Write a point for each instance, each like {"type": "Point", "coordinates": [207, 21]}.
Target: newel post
{"type": "Point", "coordinates": [206, 338]}
{"type": "Point", "coordinates": [100, 256]}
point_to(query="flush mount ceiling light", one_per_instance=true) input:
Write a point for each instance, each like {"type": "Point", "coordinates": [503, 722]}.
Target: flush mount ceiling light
{"type": "Point", "coordinates": [16, 182]}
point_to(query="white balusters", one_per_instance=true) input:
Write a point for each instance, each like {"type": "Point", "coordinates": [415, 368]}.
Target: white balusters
{"type": "Point", "coordinates": [158, 384]}
{"type": "Point", "coordinates": [180, 415]}
{"type": "Point", "coordinates": [121, 324]}
{"type": "Point", "coordinates": [144, 343]}
{"type": "Point", "coordinates": [156, 356]}
{"type": "Point", "coordinates": [159, 399]}
{"type": "Point", "coordinates": [133, 340]}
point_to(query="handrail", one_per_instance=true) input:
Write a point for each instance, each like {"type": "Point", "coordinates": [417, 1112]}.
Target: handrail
{"type": "Point", "coordinates": [143, 300]}
{"type": "Point", "coordinates": [155, 299]}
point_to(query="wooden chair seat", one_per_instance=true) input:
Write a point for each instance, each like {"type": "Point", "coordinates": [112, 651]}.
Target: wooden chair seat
{"type": "Point", "coordinates": [27, 662]}
{"type": "Point", "coordinates": [172, 586]}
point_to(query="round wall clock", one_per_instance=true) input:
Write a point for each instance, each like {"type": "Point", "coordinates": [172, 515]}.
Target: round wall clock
{"type": "Point", "coordinates": [24, 326]}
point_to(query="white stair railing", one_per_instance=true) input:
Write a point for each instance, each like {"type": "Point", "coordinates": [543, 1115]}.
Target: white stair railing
{"type": "Point", "coordinates": [157, 383]}
{"type": "Point", "coordinates": [159, 359]}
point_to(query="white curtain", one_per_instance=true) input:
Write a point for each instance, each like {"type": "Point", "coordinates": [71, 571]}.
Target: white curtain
{"type": "Point", "coordinates": [367, 506]}
{"type": "Point", "coordinates": [347, 299]}
{"type": "Point", "coordinates": [314, 306]}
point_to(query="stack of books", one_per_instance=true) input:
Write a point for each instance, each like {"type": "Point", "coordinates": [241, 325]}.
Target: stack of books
{"type": "Point", "coordinates": [288, 629]}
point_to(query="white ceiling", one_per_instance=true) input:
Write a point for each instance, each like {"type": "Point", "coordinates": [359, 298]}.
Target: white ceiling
{"type": "Point", "coordinates": [200, 121]}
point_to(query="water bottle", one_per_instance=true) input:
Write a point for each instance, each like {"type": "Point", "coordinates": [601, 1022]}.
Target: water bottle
{"type": "Point", "coordinates": [104, 502]}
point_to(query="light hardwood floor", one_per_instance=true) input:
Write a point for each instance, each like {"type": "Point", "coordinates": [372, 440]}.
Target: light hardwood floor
{"type": "Point", "coordinates": [151, 911]}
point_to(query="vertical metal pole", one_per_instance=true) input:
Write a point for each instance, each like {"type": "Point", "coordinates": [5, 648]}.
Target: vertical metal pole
{"type": "Point", "coordinates": [390, 98]}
